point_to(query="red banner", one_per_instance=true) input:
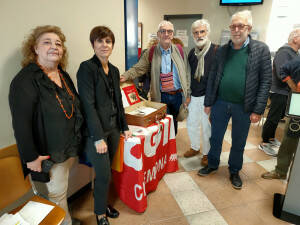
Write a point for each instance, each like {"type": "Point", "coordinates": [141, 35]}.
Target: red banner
{"type": "Point", "coordinates": [146, 159]}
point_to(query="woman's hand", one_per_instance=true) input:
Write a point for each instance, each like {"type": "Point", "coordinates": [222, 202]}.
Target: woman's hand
{"type": "Point", "coordinates": [101, 147]}
{"type": "Point", "coordinates": [36, 165]}
{"type": "Point", "coordinates": [127, 134]}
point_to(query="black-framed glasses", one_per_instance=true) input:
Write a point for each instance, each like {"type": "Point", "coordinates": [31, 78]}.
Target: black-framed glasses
{"type": "Point", "coordinates": [240, 26]}
{"type": "Point", "coordinates": [164, 31]}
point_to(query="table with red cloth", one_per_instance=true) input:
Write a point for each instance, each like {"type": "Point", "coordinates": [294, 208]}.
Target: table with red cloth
{"type": "Point", "coordinates": [142, 161]}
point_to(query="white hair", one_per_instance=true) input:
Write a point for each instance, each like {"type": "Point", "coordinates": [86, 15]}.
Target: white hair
{"type": "Point", "coordinates": [164, 23]}
{"type": "Point", "coordinates": [245, 14]}
{"type": "Point", "coordinates": [293, 34]}
{"type": "Point", "coordinates": [202, 22]}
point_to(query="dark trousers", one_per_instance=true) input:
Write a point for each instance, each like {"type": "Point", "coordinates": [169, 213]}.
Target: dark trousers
{"type": "Point", "coordinates": [286, 152]}
{"type": "Point", "coordinates": [173, 104]}
{"type": "Point", "coordinates": [102, 167]}
{"type": "Point", "coordinates": [276, 112]}
{"type": "Point", "coordinates": [221, 112]}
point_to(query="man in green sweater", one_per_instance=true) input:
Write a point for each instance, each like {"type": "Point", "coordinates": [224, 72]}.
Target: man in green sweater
{"type": "Point", "coordinates": [237, 89]}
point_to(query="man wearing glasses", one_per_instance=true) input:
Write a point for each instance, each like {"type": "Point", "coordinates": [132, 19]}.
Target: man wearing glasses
{"type": "Point", "coordinates": [238, 87]}
{"type": "Point", "coordinates": [200, 59]}
{"type": "Point", "coordinates": [168, 66]}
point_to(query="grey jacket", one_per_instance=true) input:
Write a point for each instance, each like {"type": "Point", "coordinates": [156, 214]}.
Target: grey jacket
{"type": "Point", "coordinates": [282, 56]}
{"type": "Point", "coordinates": [144, 65]}
{"type": "Point", "coordinates": [258, 76]}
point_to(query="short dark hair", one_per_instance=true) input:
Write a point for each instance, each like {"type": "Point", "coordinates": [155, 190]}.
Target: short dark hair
{"type": "Point", "coordinates": [100, 32]}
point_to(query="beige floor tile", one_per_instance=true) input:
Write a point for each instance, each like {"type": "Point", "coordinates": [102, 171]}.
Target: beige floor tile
{"type": "Point", "coordinates": [225, 195]}
{"type": "Point", "coordinates": [193, 202]}
{"type": "Point", "coordinates": [212, 182]}
{"type": "Point", "coordinates": [161, 207]}
{"type": "Point", "coordinates": [257, 155]}
{"type": "Point", "coordinates": [268, 164]}
{"type": "Point", "coordinates": [264, 210]}
{"type": "Point", "coordinates": [271, 186]}
{"type": "Point", "coordinates": [212, 217]}
{"type": "Point", "coordinates": [253, 170]}
{"type": "Point", "coordinates": [180, 182]}
{"type": "Point", "coordinates": [241, 215]}
{"type": "Point", "coordinates": [189, 164]}
{"type": "Point", "coordinates": [172, 221]}
{"type": "Point", "coordinates": [182, 142]}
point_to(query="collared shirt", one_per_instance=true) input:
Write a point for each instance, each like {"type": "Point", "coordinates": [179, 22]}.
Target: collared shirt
{"type": "Point", "coordinates": [166, 66]}
{"type": "Point", "coordinates": [244, 45]}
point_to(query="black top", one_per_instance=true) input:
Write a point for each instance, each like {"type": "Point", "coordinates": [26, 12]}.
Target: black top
{"type": "Point", "coordinates": [39, 123]}
{"type": "Point", "coordinates": [95, 94]}
{"type": "Point", "coordinates": [198, 88]}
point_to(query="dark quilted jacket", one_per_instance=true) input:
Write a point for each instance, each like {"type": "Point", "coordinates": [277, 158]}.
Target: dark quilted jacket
{"type": "Point", "coordinates": [258, 77]}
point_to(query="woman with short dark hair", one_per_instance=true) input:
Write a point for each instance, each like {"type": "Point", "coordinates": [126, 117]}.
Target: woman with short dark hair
{"type": "Point", "coordinates": [99, 89]}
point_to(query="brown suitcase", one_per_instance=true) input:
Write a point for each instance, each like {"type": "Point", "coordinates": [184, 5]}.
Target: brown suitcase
{"type": "Point", "coordinates": [144, 120]}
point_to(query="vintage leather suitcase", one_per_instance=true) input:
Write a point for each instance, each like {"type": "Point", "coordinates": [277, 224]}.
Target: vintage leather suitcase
{"type": "Point", "coordinates": [144, 120]}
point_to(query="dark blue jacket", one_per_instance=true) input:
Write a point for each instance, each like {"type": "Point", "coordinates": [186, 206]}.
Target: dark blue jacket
{"type": "Point", "coordinates": [258, 76]}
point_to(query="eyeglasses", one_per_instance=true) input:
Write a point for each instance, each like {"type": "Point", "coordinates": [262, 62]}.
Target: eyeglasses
{"type": "Point", "coordinates": [163, 31]}
{"type": "Point", "coordinates": [199, 32]}
{"type": "Point", "coordinates": [233, 27]}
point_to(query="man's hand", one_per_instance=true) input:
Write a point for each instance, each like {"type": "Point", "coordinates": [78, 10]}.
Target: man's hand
{"type": "Point", "coordinates": [127, 134]}
{"type": "Point", "coordinates": [101, 147]}
{"type": "Point", "coordinates": [207, 110]}
{"type": "Point", "coordinates": [255, 117]}
{"type": "Point", "coordinates": [36, 165]}
{"type": "Point", "coordinates": [187, 102]}
{"type": "Point", "coordinates": [122, 78]}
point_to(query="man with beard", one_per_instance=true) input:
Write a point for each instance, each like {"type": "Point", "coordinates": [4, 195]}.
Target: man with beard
{"type": "Point", "coordinates": [200, 59]}
{"type": "Point", "coordinates": [169, 71]}
{"type": "Point", "coordinates": [237, 89]}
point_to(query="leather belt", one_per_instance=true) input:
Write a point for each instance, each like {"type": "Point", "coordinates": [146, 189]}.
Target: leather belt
{"type": "Point", "coordinates": [174, 92]}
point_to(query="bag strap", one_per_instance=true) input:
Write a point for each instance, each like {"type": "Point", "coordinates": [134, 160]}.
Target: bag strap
{"type": "Point", "coordinates": [151, 52]}
{"type": "Point", "coordinates": [180, 50]}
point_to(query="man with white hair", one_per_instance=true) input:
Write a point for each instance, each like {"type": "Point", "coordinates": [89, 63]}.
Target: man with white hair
{"type": "Point", "coordinates": [237, 89]}
{"type": "Point", "coordinates": [169, 70]}
{"type": "Point", "coordinates": [200, 59]}
{"type": "Point", "coordinates": [279, 93]}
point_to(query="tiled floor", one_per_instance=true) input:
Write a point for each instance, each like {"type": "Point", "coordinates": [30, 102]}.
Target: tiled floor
{"type": "Point", "coordinates": [184, 198]}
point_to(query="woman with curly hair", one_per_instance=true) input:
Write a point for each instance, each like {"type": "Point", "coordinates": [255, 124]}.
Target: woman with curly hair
{"type": "Point", "coordinates": [46, 114]}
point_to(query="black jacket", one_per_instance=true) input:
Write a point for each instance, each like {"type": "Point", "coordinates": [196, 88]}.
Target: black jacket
{"type": "Point", "coordinates": [199, 88]}
{"type": "Point", "coordinates": [258, 76]}
{"type": "Point", "coordinates": [283, 55]}
{"type": "Point", "coordinates": [292, 69]}
{"type": "Point", "coordinates": [39, 123]}
{"type": "Point", "coordinates": [94, 92]}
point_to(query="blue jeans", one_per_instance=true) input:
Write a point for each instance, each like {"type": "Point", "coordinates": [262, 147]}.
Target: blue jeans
{"type": "Point", "coordinates": [221, 112]}
{"type": "Point", "coordinates": [173, 104]}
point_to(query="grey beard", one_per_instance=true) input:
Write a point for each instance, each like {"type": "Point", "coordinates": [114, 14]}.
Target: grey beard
{"type": "Point", "coordinates": [200, 43]}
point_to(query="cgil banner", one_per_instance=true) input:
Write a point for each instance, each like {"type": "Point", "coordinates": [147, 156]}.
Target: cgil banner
{"type": "Point", "coordinates": [146, 158]}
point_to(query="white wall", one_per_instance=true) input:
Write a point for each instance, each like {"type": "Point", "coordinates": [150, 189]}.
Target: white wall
{"type": "Point", "coordinates": [151, 12]}
{"type": "Point", "coordinates": [75, 17]}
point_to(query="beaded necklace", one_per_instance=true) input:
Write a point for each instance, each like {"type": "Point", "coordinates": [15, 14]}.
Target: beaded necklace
{"type": "Point", "coordinates": [68, 91]}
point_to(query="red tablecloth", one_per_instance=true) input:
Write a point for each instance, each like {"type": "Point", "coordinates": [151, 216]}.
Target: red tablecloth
{"type": "Point", "coordinates": [147, 157]}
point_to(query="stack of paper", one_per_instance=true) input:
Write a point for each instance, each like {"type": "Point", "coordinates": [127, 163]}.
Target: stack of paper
{"type": "Point", "coordinates": [31, 214]}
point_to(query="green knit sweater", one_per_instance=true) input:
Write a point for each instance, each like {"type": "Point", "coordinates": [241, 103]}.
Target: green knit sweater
{"type": "Point", "coordinates": [232, 86]}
